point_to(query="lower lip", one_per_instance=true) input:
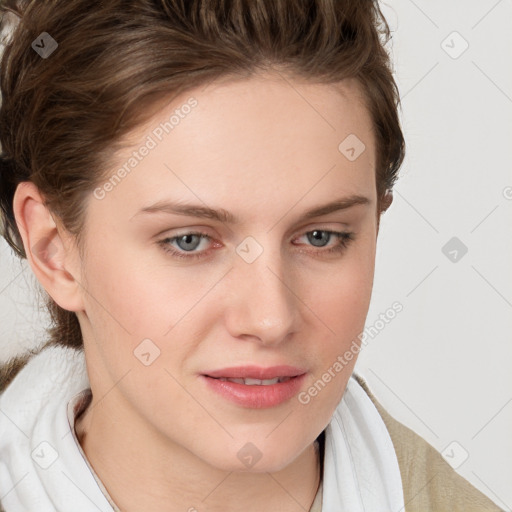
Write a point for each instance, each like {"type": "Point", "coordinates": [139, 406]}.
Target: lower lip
{"type": "Point", "coordinates": [256, 397]}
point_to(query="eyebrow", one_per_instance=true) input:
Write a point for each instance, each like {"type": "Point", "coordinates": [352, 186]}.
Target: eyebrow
{"type": "Point", "coordinates": [224, 216]}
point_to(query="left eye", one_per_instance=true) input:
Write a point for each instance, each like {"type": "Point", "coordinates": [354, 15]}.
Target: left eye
{"type": "Point", "coordinates": [189, 242]}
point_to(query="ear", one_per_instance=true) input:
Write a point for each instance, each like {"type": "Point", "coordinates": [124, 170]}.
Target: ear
{"type": "Point", "coordinates": [386, 203]}
{"type": "Point", "coordinates": [50, 253]}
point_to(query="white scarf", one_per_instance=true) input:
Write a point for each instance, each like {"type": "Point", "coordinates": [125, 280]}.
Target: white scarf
{"type": "Point", "coordinates": [43, 469]}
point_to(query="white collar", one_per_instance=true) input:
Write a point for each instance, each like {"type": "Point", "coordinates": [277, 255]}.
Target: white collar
{"type": "Point", "coordinates": [361, 471]}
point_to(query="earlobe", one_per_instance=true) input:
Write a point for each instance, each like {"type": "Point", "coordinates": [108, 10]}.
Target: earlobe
{"type": "Point", "coordinates": [386, 203]}
{"type": "Point", "coordinates": [45, 248]}
{"type": "Point", "coordinates": [388, 199]}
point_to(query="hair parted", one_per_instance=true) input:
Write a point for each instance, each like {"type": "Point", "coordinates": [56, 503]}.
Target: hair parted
{"type": "Point", "coordinates": [62, 118]}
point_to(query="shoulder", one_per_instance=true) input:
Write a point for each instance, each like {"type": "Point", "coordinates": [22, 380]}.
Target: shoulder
{"type": "Point", "coordinates": [429, 482]}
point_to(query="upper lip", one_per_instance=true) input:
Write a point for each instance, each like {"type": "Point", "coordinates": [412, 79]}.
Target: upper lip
{"type": "Point", "coordinates": [256, 372]}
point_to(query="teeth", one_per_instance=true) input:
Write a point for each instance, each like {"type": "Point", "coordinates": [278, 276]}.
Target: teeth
{"type": "Point", "coordinates": [238, 381]}
{"type": "Point", "coordinates": [257, 382]}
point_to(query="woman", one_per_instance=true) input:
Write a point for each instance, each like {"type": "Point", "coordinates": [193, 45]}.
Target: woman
{"type": "Point", "coordinates": [198, 187]}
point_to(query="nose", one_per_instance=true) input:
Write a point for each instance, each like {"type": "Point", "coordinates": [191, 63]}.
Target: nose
{"type": "Point", "coordinates": [263, 304]}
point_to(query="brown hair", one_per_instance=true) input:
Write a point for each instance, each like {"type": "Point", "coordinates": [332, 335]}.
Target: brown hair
{"type": "Point", "coordinates": [63, 117]}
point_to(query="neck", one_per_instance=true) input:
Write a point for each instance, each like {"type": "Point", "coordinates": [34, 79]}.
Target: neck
{"type": "Point", "coordinates": [141, 471]}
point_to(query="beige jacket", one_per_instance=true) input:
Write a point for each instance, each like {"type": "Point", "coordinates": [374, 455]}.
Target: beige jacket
{"type": "Point", "coordinates": [430, 483]}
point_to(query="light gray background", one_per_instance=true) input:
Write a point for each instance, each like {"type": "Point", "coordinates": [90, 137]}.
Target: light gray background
{"type": "Point", "coordinates": [442, 366]}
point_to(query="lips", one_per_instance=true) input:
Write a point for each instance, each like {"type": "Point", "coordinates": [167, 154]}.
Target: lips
{"type": "Point", "coordinates": [256, 387]}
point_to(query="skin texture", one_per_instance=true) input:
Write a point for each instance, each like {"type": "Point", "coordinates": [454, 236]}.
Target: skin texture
{"type": "Point", "coordinates": [266, 149]}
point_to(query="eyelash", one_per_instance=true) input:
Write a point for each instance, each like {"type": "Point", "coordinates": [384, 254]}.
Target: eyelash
{"type": "Point", "coordinates": [344, 239]}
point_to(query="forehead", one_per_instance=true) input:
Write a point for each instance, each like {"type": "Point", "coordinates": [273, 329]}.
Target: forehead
{"type": "Point", "coordinates": [252, 141]}
{"type": "Point", "coordinates": [267, 105]}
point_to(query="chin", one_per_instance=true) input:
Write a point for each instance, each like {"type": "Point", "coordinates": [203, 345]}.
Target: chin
{"type": "Point", "coordinates": [254, 457]}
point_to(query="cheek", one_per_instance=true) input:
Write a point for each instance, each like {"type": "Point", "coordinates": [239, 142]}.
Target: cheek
{"type": "Point", "coordinates": [341, 295]}
{"type": "Point", "coordinates": [340, 301]}
{"type": "Point", "coordinates": [137, 307]}
{"type": "Point", "coordinates": [144, 300]}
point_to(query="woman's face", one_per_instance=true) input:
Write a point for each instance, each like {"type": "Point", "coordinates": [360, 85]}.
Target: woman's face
{"type": "Point", "coordinates": [167, 316]}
